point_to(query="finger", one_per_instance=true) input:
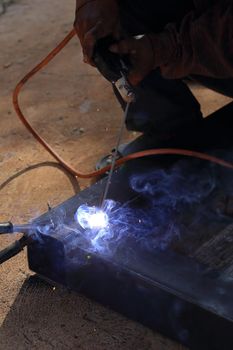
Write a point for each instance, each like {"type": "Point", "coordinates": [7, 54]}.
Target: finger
{"type": "Point", "coordinates": [87, 60]}
{"type": "Point", "coordinates": [117, 33]}
{"type": "Point", "coordinates": [89, 41]}
{"type": "Point", "coordinates": [135, 76]}
{"type": "Point", "coordinates": [124, 47]}
{"type": "Point", "coordinates": [135, 79]}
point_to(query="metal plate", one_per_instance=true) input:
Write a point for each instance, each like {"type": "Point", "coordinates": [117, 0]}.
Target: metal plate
{"type": "Point", "coordinates": [181, 285]}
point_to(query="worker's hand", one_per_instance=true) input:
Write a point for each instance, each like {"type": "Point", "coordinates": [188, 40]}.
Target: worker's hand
{"type": "Point", "coordinates": [94, 20]}
{"type": "Point", "coordinates": [145, 52]}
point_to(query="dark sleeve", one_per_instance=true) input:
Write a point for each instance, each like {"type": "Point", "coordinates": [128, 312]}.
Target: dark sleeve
{"type": "Point", "coordinates": [202, 45]}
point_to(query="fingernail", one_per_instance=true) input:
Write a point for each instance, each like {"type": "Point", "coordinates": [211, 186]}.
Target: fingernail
{"type": "Point", "coordinates": [113, 48]}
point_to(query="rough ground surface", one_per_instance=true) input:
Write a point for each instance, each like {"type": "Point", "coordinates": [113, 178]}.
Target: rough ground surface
{"type": "Point", "coordinates": [65, 97]}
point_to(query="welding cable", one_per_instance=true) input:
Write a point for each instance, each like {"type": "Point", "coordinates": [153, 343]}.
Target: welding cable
{"type": "Point", "coordinates": [68, 167]}
{"type": "Point", "coordinates": [56, 165]}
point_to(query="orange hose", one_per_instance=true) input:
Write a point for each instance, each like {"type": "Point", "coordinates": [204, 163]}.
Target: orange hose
{"type": "Point", "coordinates": [72, 170]}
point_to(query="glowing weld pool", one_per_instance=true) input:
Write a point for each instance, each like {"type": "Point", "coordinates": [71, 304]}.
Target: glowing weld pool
{"type": "Point", "coordinates": [91, 218]}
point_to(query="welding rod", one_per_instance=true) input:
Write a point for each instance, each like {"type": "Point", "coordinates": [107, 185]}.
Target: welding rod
{"type": "Point", "coordinates": [8, 227]}
{"type": "Point", "coordinates": [114, 157]}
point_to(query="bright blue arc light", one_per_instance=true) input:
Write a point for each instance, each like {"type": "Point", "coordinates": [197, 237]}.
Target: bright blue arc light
{"type": "Point", "coordinates": [91, 218]}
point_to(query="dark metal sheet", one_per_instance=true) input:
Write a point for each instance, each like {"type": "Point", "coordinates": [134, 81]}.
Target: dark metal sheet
{"type": "Point", "coordinates": [166, 289]}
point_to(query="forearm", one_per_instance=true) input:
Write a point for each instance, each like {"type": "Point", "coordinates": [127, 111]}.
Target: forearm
{"type": "Point", "coordinates": [203, 45]}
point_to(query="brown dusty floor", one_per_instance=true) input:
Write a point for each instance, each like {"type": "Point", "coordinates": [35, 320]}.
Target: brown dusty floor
{"type": "Point", "coordinates": [65, 97]}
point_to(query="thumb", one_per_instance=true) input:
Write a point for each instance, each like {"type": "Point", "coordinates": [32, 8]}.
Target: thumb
{"type": "Point", "coordinates": [134, 77]}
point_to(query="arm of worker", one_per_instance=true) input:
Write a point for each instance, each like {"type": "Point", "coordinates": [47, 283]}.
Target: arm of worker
{"type": "Point", "coordinates": [202, 45]}
{"type": "Point", "coordinates": [95, 19]}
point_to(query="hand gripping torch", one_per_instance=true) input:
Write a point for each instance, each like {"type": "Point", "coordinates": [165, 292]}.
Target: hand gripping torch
{"type": "Point", "coordinates": [115, 69]}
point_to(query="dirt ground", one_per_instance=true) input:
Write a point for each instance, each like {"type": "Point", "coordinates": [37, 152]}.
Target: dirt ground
{"type": "Point", "coordinates": [74, 109]}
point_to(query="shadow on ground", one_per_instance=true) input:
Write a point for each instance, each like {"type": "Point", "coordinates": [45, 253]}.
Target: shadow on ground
{"type": "Point", "coordinates": [47, 317]}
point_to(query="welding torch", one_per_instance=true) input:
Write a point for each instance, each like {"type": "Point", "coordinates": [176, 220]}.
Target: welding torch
{"type": "Point", "coordinates": [115, 69]}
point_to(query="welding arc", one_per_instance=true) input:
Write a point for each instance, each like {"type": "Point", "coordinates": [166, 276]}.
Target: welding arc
{"type": "Point", "coordinates": [68, 167]}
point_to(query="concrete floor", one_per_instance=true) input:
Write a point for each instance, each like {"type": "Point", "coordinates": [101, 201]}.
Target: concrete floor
{"type": "Point", "coordinates": [65, 97]}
